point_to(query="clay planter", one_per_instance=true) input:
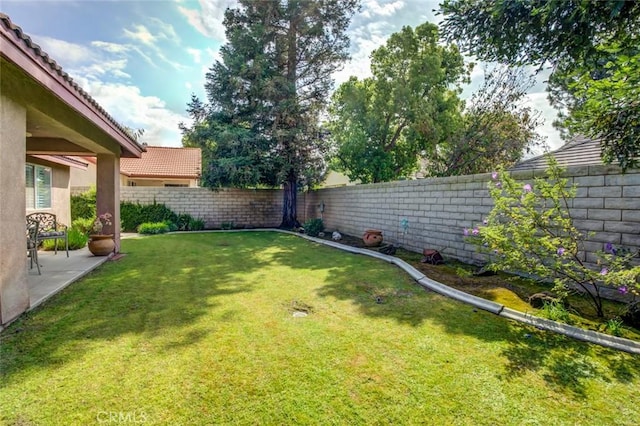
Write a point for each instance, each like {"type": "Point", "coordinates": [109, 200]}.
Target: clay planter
{"type": "Point", "coordinates": [101, 245]}
{"type": "Point", "coordinates": [372, 238]}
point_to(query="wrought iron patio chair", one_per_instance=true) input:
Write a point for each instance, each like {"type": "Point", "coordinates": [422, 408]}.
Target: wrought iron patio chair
{"type": "Point", "coordinates": [32, 243]}
{"type": "Point", "coordinates": [50, 229]}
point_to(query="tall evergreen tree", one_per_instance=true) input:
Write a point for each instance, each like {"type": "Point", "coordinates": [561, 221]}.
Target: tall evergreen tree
{"type": "Point", "coordinates": [261, 123]}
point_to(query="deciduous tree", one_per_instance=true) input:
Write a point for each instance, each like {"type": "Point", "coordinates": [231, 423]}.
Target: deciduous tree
{"type": "Point", "coordinates": [592, 47]}
{"type": "Point", "coordinates": [382, 124]}
{"type": "Point", "coordinates": [498, 127]}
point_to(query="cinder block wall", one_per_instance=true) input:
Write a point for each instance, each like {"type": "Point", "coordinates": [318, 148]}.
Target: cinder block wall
{"type": "Point", "coordinates": [257, 208]}
{"type": "Point", "coordinates": [437, 209]}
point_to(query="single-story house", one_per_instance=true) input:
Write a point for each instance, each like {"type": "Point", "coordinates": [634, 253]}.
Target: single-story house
{"type": "Point", "coordinates": [158, 166]}
{"type": "Point", "coordinates": [45, 118]}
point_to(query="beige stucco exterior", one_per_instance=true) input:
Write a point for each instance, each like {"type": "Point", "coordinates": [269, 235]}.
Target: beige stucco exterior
{"type": "Point", "coordinates": [43, 112]}
{"type": "Point", "coordinates": [14, 294]}
{"type": "Point", "coordinates": [83, 178]}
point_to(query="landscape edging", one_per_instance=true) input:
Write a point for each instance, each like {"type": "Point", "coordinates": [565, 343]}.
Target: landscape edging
{"type": "Point", "coordinates": [590, 336]}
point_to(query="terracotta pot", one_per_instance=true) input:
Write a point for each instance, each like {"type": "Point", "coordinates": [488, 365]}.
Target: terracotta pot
{"type": "Point", "coordinates": [372, 238]}
{"type": "Point", "coordinates": [101, 245]}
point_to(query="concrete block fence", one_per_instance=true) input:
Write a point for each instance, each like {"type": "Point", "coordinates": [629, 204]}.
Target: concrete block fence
{"type": "Point", "coordinates": [434, 211]}
{"type": "Point", "coordinates": [260, 208]}
{"type": "Point", "coordinates": [416, 214]}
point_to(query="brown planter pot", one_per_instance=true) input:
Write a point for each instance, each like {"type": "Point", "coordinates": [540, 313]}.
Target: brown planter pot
{"type": "Point", "coordinates": [101, 245]}
{"type": "Point", "coordinates": [372, 238]}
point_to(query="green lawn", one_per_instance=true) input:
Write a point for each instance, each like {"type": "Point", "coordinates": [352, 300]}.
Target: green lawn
{"type": "Point", "coordinates": [199, 329]}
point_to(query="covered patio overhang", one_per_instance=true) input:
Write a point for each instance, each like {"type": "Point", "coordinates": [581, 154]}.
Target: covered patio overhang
{"type": "Point", "coordinates": [44, 112]}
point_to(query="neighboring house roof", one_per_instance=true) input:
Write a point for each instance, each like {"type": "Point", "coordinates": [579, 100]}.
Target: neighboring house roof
{"type": "Point", "coordinates": [578, 152]}
{"type": "Point", "coordinates": [164, 162]}
{"type": "Point", "coordinates": [18, 48]}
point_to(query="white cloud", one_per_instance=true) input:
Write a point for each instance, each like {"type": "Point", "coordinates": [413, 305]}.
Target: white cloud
{"type": "Point", "coordinates": [129, 107]}
{"type": "Point", "coordinates": [65, 53]}
{"type": "Point", "coordinates": [209, 17]}
{"type": "Point", "coordinates": [370, 8]}
{"type": "Point", "coordinates": [78, 60]}
{"type": "Point", "coordinates": [196, 54]}
{"type": "Point", "coordinates": [164, 30]}
{"type": "Point", "coordinates": [141, 34]}
{"type": "Point", "coordinates": [111, 47]}
{"type": "Point", "coordinates": [539, 102]}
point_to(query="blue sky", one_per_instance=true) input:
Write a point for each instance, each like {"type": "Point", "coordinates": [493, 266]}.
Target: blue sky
{"type": "Point", "coordinates": [142, 59]}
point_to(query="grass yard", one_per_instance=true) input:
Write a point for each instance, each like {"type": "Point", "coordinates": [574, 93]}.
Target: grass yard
{"type": "Point", "coordinates": [200, 329]}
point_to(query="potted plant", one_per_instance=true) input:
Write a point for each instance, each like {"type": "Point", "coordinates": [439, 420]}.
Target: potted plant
{"type": "Point", "coordinates": [101, 244]}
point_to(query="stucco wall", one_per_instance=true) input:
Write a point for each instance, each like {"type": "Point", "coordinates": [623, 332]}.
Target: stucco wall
{"type": "Point", "coordinates": [14, 293]}
{"type": "Point", "coordinates": [83, 178]}
{"type": "Point", "coordinates": [437, 209]}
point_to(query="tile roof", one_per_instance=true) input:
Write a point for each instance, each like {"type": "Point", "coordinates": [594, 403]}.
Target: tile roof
{"type": "Point", "coordinates": [578, 152]}
{"type": "Point", "coordinates": [165, 162]}
{"type": "Point", "coordinates": [7, 26]}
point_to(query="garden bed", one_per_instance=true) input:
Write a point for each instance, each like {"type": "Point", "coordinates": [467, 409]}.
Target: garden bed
{"type": "Point", "coordinates": [511, 291]}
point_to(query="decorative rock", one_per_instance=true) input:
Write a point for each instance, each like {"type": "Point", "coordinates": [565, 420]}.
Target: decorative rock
{"type": "Point", "coordinates": [538, 300]}
{"type": "Point", "coordinates": [336, 236]}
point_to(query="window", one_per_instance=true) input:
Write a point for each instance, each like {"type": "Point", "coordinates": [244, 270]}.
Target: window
{"type": "Point", "coordinates": [38, 186]}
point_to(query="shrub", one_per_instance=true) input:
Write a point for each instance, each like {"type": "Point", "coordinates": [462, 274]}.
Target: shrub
{"type": "Point", "coordinates": [313, 227]}
{"type": "Point", "coordinates": [133, 215]}
{"type": "Point", "coordinates": [530, 230]}
{"type": "Point", "coordinates": [77, 240]}
{"type": "Point", "coordinates": [83, 225]}
{"type": "Point", "coordinates": [182, 221]}
{"type": "Point", "coordinates": [227, 225]}
{"type": "Point", "coordinates": [130, 216]}
{"type": "Point", "coordinates": [151, 228]}
{"type": "Point", "coordinates": [83, 206]}
{"type": "Point", "coordinates": [196, 224]}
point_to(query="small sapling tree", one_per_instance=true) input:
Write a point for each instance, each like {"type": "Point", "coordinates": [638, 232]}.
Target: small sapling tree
{"type": "Point", "coordinates": [530, 230]}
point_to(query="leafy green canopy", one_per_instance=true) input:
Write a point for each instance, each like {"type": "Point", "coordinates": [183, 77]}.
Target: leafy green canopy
{"type": "Point", "coordinates": [381, 124]}
{"type": "Point", "coordinates": [260, 125]}
{"type": "Point", "coordinates": [592, 47]}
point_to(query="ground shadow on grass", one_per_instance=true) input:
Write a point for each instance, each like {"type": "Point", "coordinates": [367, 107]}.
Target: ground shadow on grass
{"type": "Point", "coordinates": [381, 290]}
{"type": "Point", "coordinates": [165, 283]}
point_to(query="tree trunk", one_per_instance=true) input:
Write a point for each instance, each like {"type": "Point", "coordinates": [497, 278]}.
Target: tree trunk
{"type": "Point", "coordinates": [289, 210]}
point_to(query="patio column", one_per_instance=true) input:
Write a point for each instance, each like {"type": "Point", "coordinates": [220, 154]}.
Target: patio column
{"type": "Point", "coordinates": [108, 191]}
{"type": "Point", "coordinates": [14, 288]}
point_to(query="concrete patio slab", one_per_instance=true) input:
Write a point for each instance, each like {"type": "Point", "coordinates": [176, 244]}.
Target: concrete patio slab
{"type": "Point", "coordinates": [58, 271]}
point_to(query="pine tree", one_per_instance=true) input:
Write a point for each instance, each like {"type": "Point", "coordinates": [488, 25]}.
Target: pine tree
{"type": "Point", "coordinates": [261, 123]}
